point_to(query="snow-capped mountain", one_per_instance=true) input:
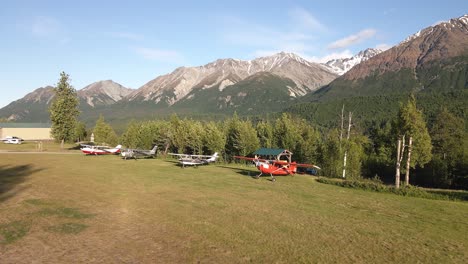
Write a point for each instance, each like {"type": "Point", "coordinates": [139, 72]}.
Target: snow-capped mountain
{"type": "Point", "coordinates": [341, 66]}
{"type": "Point", "coordinates": [432, 45]}
{"type": "Point", "coordinates": [431, 60]}
{"type": "Point", "coordinates": [171, 88]}
{"type": "Point", "coordinates": [455, 23]}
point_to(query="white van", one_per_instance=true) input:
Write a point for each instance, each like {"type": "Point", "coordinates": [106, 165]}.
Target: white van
{"type": "Point", "coordinates": [12, 140]}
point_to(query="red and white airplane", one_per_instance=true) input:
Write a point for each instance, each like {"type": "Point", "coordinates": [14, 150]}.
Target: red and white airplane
{"type": "Point", "coordinates": [276, 166]}
{"type": "Point", "coordinates": [100, 150]}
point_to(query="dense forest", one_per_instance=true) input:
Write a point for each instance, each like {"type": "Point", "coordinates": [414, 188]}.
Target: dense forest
{"type": "Point", "coordinates": [439, 156]}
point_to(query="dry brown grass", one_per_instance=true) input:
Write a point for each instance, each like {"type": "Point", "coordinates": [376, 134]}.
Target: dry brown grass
{"type": "Point", "coordinates": [78, 209]}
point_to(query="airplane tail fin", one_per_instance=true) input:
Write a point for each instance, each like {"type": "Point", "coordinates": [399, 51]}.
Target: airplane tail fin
{"type": "Point", "coordinates": [118, 147]}
{"type": "Point", "coordinates": [213, 158]}
{"type": "Point", "coordinates": [153, 150]}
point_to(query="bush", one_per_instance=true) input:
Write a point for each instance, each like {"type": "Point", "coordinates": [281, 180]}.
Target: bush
{"type": "Point", "coordinates": [376, 185]}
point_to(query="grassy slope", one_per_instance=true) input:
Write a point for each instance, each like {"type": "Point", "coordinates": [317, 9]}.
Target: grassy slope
{"type": "Point", "coordinates": [151, 210]}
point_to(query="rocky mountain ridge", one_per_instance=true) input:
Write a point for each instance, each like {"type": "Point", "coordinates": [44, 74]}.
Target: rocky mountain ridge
{"type": "Point", "coordinates": [171, 88]}
{"type": "Point", "coordinates": [343, 65]}
{"type": "Point", "coordinates": [435, 43]}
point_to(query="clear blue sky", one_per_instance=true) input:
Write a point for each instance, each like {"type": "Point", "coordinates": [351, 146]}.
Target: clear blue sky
{"type": "Point", "coordinates": [133, 42]}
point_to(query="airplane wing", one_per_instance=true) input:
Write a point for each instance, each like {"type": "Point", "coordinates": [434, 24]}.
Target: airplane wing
{"type": "Point", "coordinates": [201, 156]}
{"type": "Point", "coordinates": [178, 155]}
{"type": "Point", "coordinates": [308, 166]}
{"type": "Point", "coordinates": [190, 155]}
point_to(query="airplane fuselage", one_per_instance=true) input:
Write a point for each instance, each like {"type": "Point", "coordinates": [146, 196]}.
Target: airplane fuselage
{"type": "Point", "coordinates": [96, 150]}
{"type": "Point", "coordinates": [276, 168]}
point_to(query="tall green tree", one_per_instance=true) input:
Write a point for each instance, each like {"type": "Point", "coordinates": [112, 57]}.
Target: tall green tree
{"type": "Point", "coordinates": [411, 126]}
{"type": "Point", "coordinates": [241, 137]}
{"type": "Point", "coordinates": [265, 134]}
{"type": "Point", "coordinates": [104, 133]}
{"type": "Point", "coordinates": [410, 123]}
{"type": "Point", "coordinates": [447, 136]}
{"type": "Point", "coordinates": [214, 138]}
{"type": "Point", "coordinates": [308, 148]}
{"type": "Point", "coordinates": [287, 132]}
{"type": "Point", "coordinates": [331, 159]}
{"type": "Point", "coordinates": [449, 145]}
{"type": "Point", "coordinates": [80, 131]}
{"type": "Point", "coordinates": [180, 134]}
{"type": "Point", "coordinates": [356, 156]}
{"type": "Point", "coordinates": [131, 137]}
{"type": "Point", "coordinates": [64, 110]}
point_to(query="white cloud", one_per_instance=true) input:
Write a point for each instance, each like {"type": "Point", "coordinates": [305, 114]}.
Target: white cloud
{"type": "Point", "coordinates": [297, 38]}
{"type": "Point", "coordinates": [306, 20]}
{"type": "Point", "coordinates": [331, 56]}
{"type": "Point", "coordinates": [169, 56]}
{"type": "Point", "coordinates": [353, 39]}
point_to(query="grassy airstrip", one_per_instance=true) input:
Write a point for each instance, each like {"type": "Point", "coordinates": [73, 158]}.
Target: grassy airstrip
{"type": "Point", "coordinates": [76, 208]}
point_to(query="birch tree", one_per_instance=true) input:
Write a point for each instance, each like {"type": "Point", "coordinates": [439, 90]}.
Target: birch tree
{"type": "Point", "coordinates": [410, 123]}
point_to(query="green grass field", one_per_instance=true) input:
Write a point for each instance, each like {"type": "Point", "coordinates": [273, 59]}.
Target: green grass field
{"type": "Point", "coordinates": [28, 146]}
{"type": "Point", "coordinates": [101, 209]}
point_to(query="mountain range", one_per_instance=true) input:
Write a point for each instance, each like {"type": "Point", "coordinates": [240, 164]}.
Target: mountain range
{"type": "Point", "coordinates": [432, 60]}
{"type": "Point", "coordinates": [432, 64]}
{"type": "Point", "coordinates": [230, 84]}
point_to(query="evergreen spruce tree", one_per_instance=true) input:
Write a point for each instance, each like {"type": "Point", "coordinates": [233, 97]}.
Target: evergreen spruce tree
{"type": "Point", "coordinates": [64, 110]}
{"type": "Point", "coordinates": [447, 136]}
{"type": "Point", "coordinates": [104, 133]}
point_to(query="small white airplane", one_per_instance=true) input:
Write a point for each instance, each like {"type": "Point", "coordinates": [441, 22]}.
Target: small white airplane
{"type": "Point", "coordinates": [194, 160]}
{"type": "Point", "coordinates": [100, 150]}
{"type": "Point", "coordinates": [136, 153]}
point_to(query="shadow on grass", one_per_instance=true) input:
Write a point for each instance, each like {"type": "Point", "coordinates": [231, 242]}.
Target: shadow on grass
{"type": "Point", "coordinates": [244, 172]}
{"type": "Point", "coordinates": [451, 194]}
{"type": "Point", "coordinates": [11, 176]}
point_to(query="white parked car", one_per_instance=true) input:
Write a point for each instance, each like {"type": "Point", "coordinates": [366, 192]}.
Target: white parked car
{"type": "Point", "coordinates": [12, 140]}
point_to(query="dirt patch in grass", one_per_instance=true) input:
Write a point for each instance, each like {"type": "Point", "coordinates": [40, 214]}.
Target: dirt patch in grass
{"type": "Point", "coordinates": [67, 228]}
{"type": "Point", "coordinates": [10, 232]}
{"type": "Point", "coordinates": [66, 212]}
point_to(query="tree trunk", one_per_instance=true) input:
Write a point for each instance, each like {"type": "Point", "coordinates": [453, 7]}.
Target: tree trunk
{"type": "Point", "coordinates": [347, 140]}
{"type": "Point", "coordinates": [408, 161]}
{"type": "Point", "coordinates": [342, 124]}
{"type": "Point", "coordinates": [61, 144]}
{"type": "Point", "coordinates": [397, 174]}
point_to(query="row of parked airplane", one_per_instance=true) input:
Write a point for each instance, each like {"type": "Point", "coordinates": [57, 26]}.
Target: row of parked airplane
{"type": "Point", "coordinates": [184, 159]}
{"type": "Point", "coordinates": [281, 164]}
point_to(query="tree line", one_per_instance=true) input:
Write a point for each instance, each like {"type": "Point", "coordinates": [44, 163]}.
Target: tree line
{"type": "Point", "coordinates": [438, 152]}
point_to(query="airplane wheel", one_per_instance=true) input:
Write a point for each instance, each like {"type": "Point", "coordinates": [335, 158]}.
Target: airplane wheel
{"type": "Point", "coordinates": [257, 177]}
{"type": "Point", "coordinates": [273, 179]}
